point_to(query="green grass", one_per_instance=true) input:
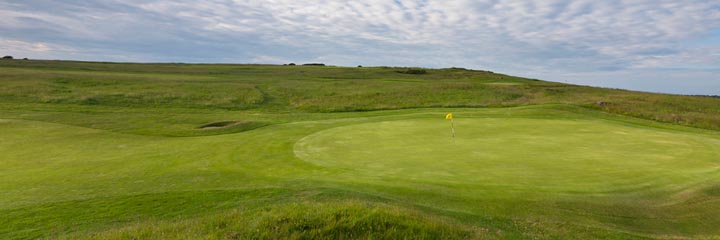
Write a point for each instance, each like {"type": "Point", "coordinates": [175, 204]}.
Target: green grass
{"type": "Point", "coordinates": [175, 151]}
{"type": "Point", "coordinates": [518, 155]}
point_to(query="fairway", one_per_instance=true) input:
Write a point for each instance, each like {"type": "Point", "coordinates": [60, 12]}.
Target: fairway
{"type": "Point", "coordinates": [580, 156]}
{"type": "Point", "coordinates": [175, 151]}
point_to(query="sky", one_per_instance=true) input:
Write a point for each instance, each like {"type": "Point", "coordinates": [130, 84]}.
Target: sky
{"type": "Point", "coordinates": [649, 45]}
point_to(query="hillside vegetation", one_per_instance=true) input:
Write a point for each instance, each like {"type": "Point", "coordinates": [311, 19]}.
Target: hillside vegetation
{"type": "Point", "coordinates": [295, 89]}
{"type": "Point", "coordinates": [217, 151]}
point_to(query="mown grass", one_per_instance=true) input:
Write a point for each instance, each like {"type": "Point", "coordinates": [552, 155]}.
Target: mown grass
{"type": "Point", "coordinates": [123, 151]}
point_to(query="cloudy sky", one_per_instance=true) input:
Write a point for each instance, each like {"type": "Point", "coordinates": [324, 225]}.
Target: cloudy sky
{"type": "Point", "coordinates": [652, 45]}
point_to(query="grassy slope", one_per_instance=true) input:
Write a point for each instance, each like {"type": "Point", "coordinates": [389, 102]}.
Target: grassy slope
{"type": "Point", "coordinates": [93, 150]}
{"type": "Point", "coordinates": [317, 89]}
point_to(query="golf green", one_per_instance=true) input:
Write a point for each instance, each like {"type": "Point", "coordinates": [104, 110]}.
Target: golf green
{"type": "Point", "coordinates": [529, 171]}
{"type": "Point", "coordinates": [591, 156]}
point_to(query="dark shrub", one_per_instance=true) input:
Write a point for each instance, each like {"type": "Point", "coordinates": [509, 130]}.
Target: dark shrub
{"type": "Point", "coordinates": [359, 65]}
{"type": "Point", "coordinates": [314, 64]}
{"type": "Point", "coordinates": [7, 57]}
{"type": "Point", "coordinates": [292, 64]}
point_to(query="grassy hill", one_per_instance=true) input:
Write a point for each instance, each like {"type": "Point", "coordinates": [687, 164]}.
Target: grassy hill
{"type": "Point", "coordinates": [123, 150]}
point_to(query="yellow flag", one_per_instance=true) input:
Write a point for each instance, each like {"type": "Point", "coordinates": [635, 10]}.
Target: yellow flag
{"type": "Point", "coordinates": [448, 116]}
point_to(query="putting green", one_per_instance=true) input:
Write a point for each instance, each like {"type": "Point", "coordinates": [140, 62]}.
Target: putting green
{"type": "Point", "coordinates": [518, 153]}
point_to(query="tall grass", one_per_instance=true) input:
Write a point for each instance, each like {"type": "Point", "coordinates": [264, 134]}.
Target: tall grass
{"type": "Point", "coordinates": [270, 88]}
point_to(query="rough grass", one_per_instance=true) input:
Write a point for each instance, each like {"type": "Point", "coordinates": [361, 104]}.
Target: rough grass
{"type": "Point", "coordinates": [349, 220]}
{"type": "Point", "coordinates": [320, 89]}
{"type": "Point", "coordinates": [138, 164]}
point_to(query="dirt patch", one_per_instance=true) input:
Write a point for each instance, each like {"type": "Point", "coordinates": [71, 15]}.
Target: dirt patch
{"type": "Point", "coordinates": [236, 125]}
{"type": "Point", "coordinates": [222, 124]}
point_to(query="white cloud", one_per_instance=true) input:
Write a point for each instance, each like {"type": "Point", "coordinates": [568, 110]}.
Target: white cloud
{"type": "Point", "coordinates": [612, 29]}
{"type": "Point", "coordinates": [263, 59]}
{"type": "Point", "coordinates": [31, 49]}
{"type": "Point", "coordinates": [20, 46]}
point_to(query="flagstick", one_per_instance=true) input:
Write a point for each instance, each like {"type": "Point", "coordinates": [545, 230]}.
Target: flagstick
{"type": "Point", "coordinates": [452, 125]}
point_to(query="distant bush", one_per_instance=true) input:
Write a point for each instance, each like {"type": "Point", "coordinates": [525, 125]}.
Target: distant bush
{"type": "Point", "coordinates": [359, 65]}
{"type": "Point", "coordinates": [413, 71]}
{"type": "Point", "coordinates": [314, 64]}
{"type": "Point", "coordinates": [7, 57]}
{"type": "Point", "coordinates": [292, 64]}
{"type": "Point", "coordinates": [712, 96]}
